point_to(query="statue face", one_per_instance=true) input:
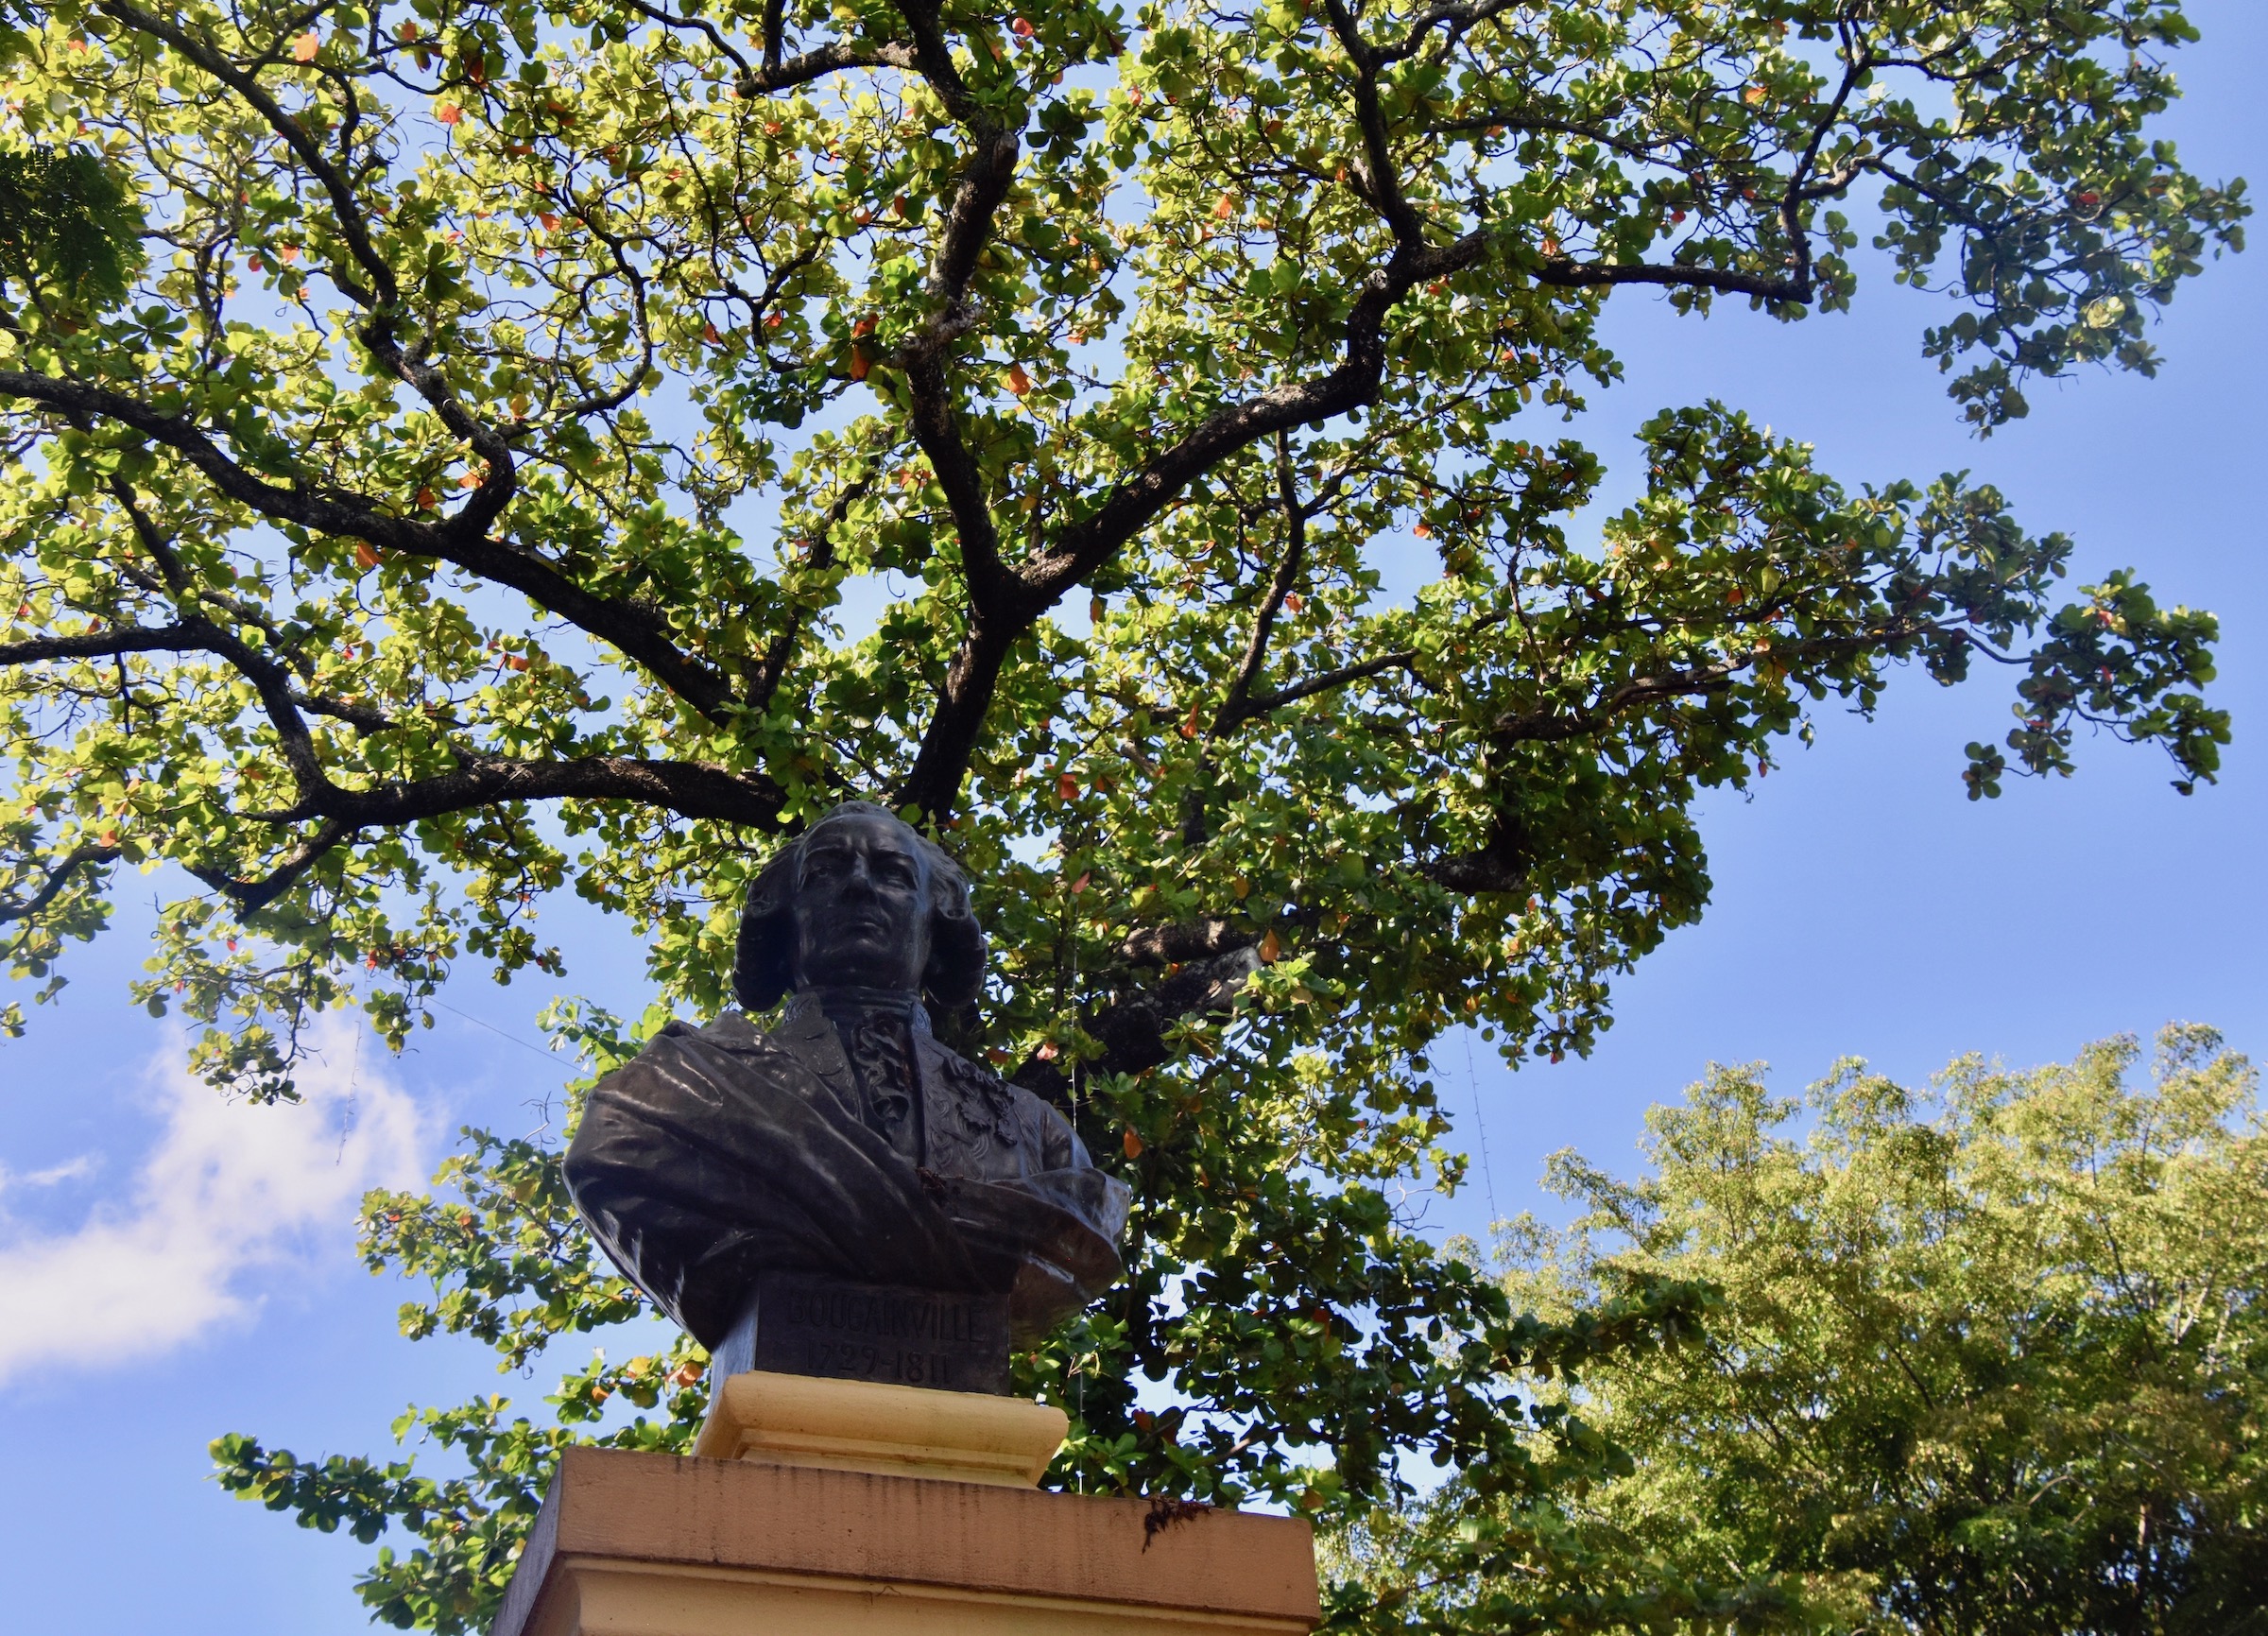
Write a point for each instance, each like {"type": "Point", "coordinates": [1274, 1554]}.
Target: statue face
{"type": "Point", "coordinates": [861, 906]}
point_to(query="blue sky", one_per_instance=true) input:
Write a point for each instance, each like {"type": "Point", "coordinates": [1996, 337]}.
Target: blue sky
{"type": "Point", "coordinates": [173, 1268]}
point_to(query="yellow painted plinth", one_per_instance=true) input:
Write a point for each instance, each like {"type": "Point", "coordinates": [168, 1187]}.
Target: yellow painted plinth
{"type": "Point", "coordinates": [637, 1544]}
{"type": "Point", "coordinates": [878, 1427]}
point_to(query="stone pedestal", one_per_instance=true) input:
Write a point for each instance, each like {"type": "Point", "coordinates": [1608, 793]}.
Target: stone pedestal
{"type": "Point", "coordinates": [864, 1510]}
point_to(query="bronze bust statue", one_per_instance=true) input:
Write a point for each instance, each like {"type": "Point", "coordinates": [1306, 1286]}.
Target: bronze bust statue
{"type": "Point", "coordinates": [842, 1194]}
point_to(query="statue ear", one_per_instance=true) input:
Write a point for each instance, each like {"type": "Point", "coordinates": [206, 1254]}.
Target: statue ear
{"type": "Point", "coordinates": [762, 962]}
{"type": "Point", "coordinates": [956, 972]}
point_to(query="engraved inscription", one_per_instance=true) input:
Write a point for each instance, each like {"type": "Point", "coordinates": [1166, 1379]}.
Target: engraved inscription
{"type": "Point", "coordinates": [910, 1337]}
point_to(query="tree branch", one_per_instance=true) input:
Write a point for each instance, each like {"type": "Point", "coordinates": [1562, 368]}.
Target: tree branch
{"type": "Point", "coordinates": [1564, 273]}
{"type": "Point", "coordinates": [250, 897]}
{"type": "Point", "coordinates": [1263, 618]}
{"type": "Point", "coordinates": [1261, 704]}
{"type": "Point", "coordinates": [86, 855]}
{"type": "Point", "coordinates": [764, 683]}
{"type": "Point", "coordinates": [381, 296]}
{"type": "Point", "coordinates": [639, 633]}
{"type": "Point", "coordinates": [382, 289]}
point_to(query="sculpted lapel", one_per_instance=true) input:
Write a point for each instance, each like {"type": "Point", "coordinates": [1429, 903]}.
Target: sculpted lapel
{"type": "Point", "coordinates": [812, 1039]}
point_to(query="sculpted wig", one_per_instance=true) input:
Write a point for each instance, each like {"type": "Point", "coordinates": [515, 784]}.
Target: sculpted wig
{"type": "Point", "coordinates": [762, 969]}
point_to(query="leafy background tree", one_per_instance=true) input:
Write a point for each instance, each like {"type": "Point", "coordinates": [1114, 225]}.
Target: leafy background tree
{"type": "Point", "coordinates": [1988, 1359]}
{"type": "Point", "coordinates": [458, 509]}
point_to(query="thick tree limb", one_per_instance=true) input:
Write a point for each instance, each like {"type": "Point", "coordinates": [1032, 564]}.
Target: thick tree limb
{"type": "Point", "coordinates": [1564, 273]}
{"type": "Point", "coordinates": [934, 781]}
{"type": "Point", "coordinates": [691, 790]}
{"type": "Point", "coordinates": [924, 358]}
{"type": "Point", "coordinates": [103, 644]}
{"type": "Point", "coordinates": [1172, 945]}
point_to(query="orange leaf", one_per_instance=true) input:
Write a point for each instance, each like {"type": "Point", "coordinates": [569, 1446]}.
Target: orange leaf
{"type": "Point", "coordinates": [1068, 787]}
{"type": "Point", "coordinates": [306, 46]}
{"type": "Point", "coordinates": [448, 113]}
{"type": "Point", "coordinates": [1133, 1146]}
{"type": "Point", "coordinates": [1022, 26]}
{"type": "Point", "coordinates": [366, 556]}
{"type": "Point", "coordinates": [550, 222]}
{"type": "Point", "coordinates": [1080, 884]}
{"type": "Point", "coordinates": [1294, 601]}
{"type": "Point", "coordinates": [864, 327]}
{"type": "Point", "coordinates": [1224, 207]}
{"type": "Point", "coordinates": [427, 499]}
{"type": "Point", "coordinates": [1270, 946]}
{"type": "Point", "coordinates": [1019, 382]}
{"type": "Point", "coordinates": [709, 334]}
{"type": "Point", "coordinates": [1189, 728]}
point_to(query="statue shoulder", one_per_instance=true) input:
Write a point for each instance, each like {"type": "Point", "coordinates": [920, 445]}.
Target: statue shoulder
{"type": "Point", "coordinates": [729, 1049]}
{"type": "Point", "coordinates": [734, 1032]}
{"type": "Point", "coordinates": [1018, 1116]}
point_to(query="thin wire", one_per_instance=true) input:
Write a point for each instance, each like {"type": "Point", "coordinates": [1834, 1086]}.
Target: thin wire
{"type": "Point", "coordinates": [1480, 1125]}
{"type": "Point", "coordinates": [1071, 996]}
{"type": "Point", "coordinates": [346, 1129]}
{"type": "Point", "coordinates": [547, 1055]}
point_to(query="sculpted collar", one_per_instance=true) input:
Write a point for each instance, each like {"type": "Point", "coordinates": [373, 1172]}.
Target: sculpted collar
{"type": "Point", "coordinates": [854, 1005]}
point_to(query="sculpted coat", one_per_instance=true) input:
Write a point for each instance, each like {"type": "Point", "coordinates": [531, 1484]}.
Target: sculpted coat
{"type": "Point", "coordinates": [845, 1140]}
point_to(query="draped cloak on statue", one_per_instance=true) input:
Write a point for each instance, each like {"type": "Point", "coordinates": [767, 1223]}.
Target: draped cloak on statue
{"type": "Point", "coordinates": [721, 1152]}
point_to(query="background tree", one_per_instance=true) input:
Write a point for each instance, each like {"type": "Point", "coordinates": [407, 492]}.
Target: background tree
{"type": "Point", "coordinates": [513, 406]}
{"type": "Point", "coordinates": [1988, 1361]}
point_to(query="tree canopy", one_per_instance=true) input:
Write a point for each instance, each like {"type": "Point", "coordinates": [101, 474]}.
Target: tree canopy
{"type": "Point", "coordinates": [477, 475]}
{"type": "Point", "coordinates": [1987, 1360]}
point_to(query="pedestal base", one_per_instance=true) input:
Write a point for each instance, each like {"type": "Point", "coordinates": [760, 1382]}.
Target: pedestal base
{"type": "Point", "coordinates": [634, 1545]}
{"type": "Point", "coordinates": [872, 1426]}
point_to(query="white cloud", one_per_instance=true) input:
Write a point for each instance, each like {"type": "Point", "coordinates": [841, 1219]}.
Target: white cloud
{"type": "Point", "coordinates": [69, 1170]}
{"type": "Point", "coordinates": [228, 1191]}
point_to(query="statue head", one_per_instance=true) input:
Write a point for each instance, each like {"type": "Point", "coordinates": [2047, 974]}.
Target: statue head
{"type": "Point", "coordinates": [859, 900]}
